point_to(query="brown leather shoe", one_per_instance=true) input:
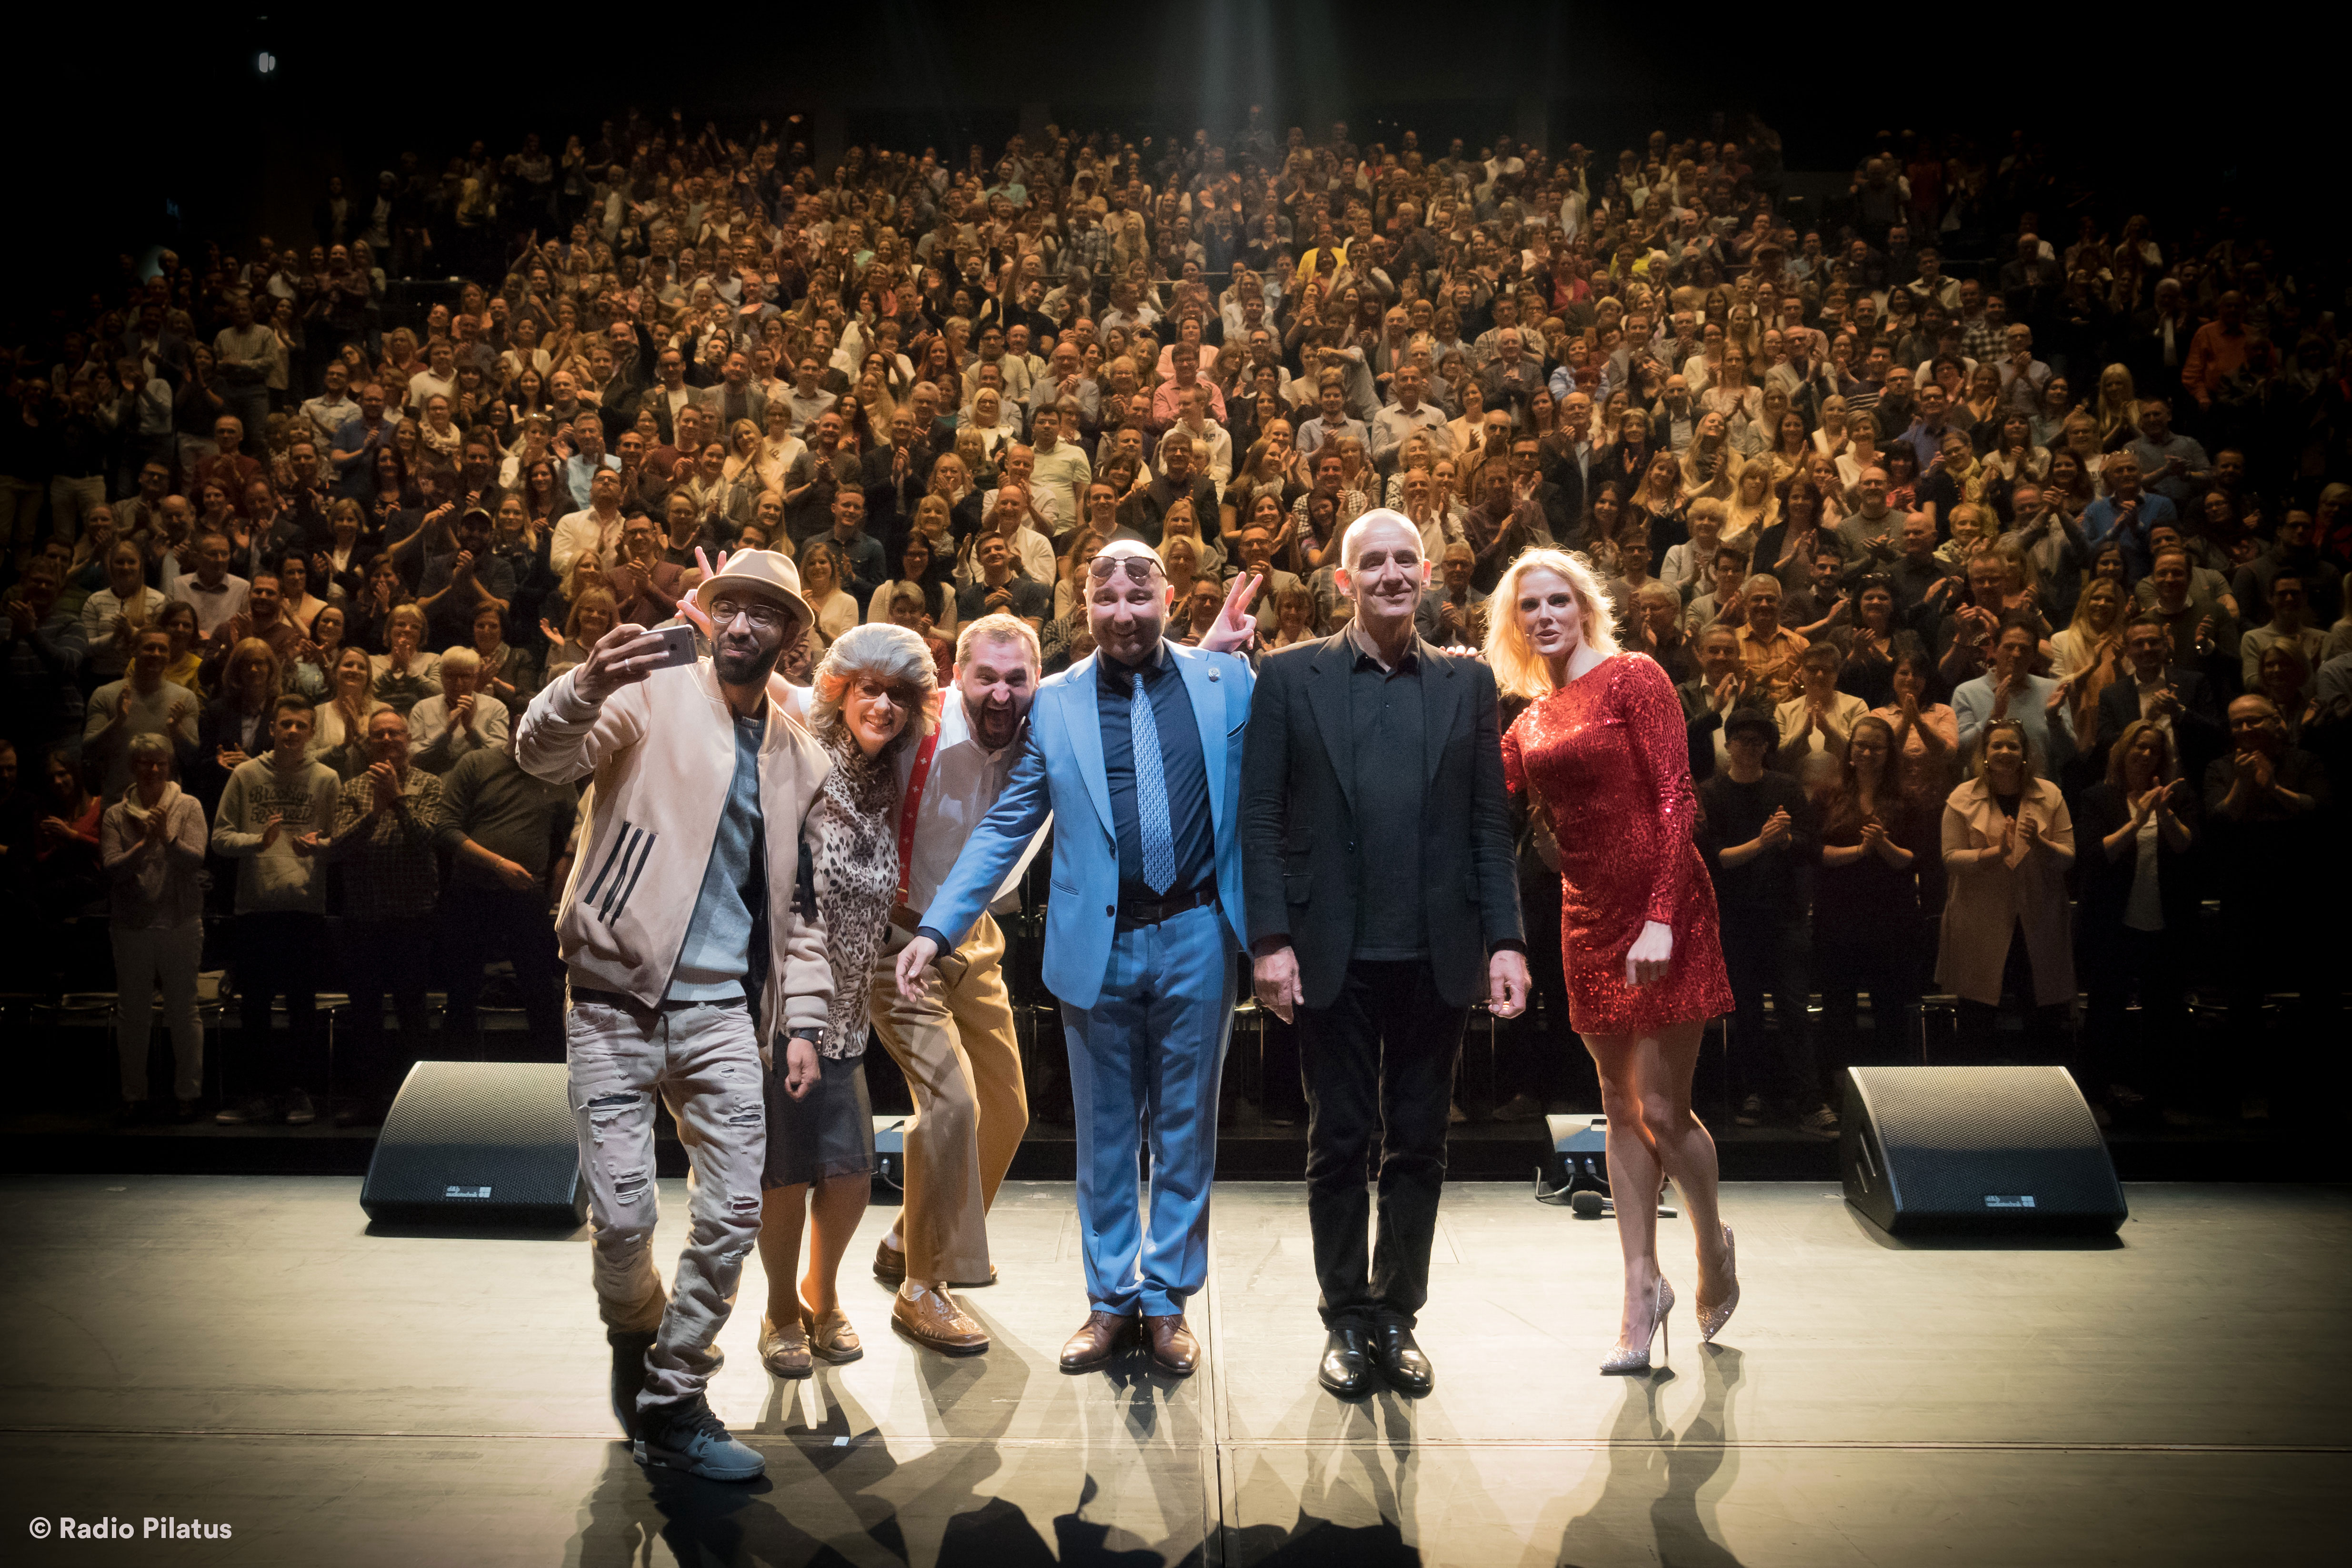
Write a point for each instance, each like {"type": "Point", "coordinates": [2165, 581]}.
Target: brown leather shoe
{"type": "Point", "coordinates": [890, 1268]}
{"type": "Point", "coordinates": [1100, 1337]}
{"type": "Point", "coordinates": [930, 1316]}
{"type": "Point", "coordinates": [1173, 1349]}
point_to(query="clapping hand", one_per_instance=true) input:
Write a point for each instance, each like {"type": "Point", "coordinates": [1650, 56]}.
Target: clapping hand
{"type": "Point", "coordinates": [1775, 830]}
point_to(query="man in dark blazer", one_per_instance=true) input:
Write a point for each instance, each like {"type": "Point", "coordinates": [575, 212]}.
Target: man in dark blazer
{"type": "Point", "coordinates": [1379, 867]}
{"type": "Point", "coordinates": [2153, 687]}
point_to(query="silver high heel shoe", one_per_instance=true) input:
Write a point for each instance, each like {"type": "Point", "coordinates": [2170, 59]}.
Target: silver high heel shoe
{"type": "Point", "coordinates": [1631, 1359]}
{"type": "Point", "coordinates": [1712, 1318]}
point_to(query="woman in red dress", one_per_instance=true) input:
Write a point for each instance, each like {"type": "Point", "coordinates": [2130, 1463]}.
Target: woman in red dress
{"type": "Point", "coordinates": [1601, 750]}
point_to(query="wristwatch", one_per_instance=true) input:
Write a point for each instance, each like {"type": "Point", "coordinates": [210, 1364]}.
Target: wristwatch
{"type": "Point", "coordinates": [814, 1036]}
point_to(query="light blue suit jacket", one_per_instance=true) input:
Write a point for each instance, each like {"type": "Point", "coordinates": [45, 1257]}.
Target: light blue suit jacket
{"type": "Point", "coordinates": [1060, 771]}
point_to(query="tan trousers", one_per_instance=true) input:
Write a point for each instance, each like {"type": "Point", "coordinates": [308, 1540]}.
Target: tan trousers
{"type": "Point", "coordinates": [957, 1050]}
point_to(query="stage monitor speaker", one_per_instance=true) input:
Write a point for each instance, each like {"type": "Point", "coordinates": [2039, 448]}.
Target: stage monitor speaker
{"type": "Point", "coordinates": [1992, 1150]}
{"type": "Point", "coordinates": [482, 1143]}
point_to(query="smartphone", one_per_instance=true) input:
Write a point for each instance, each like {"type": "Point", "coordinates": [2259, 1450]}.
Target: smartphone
{"type": "Point", "coordinates": [678, 646]}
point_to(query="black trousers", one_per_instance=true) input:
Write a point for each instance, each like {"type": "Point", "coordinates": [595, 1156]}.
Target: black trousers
{"type": "Point", "coordinates": [1881, 963]}
{"type": "Point", "coordinates": [380, 956]}
{"type": "Point", "coordinates": [1377, 1065]}
{"type": "Point", "coordinates": [278, 953]}
{"type": "Point", "coordinates": [2045, 1026]}
{"type": "Point", "coordinates": [1770, 953]}
{"type": "Point", "coordinates": [2115, 963]}
{"type": "Point", "coordinates": [480, 924]}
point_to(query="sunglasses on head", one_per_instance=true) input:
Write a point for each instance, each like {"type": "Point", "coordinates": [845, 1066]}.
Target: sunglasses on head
{"type": "Point", "coordinates": [1136, 568]}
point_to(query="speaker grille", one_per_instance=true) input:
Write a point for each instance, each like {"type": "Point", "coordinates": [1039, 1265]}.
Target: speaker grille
{"type": "Point", "coordinates": [1986, 1144]}
{"type": "Point", "coordinates": [494, 1135]}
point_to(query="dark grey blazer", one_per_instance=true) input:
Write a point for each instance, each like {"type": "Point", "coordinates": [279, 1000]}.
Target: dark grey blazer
{"type": "Point", "coordinates": [1300, 857]}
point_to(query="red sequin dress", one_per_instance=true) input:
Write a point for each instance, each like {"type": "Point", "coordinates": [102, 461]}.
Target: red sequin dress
{"type": "Point", "coordinates": [1609, 758]}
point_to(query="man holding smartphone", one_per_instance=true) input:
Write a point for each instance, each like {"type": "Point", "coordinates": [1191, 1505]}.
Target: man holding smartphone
{"type": "Point", "coordinates": [692, 849]}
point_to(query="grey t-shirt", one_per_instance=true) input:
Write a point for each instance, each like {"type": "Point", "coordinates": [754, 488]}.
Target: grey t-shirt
{"type": "Point", "coordinates": [717, 952]}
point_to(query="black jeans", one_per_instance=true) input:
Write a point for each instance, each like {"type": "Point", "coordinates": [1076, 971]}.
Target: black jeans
{"type": "Point", "coordinates": [1770, 953]}
{"type": "Point", "coordinates": [1377, 1063]}
{"type": "Point", "coordinates": [278, 953]}
{"type": "Point", "coordinates": [380, 956]}
{"type": "Point", "coordinates": [479, 925]}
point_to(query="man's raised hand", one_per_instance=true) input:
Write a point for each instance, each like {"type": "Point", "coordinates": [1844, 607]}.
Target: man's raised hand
{"type": "Point", "coordinates": [621, 657]}
{"type": "Point", "coordinates": [1235, 627]}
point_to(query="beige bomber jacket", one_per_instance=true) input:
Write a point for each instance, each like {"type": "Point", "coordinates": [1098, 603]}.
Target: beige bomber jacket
{"type": "Point", "coordinates": [662, 755]}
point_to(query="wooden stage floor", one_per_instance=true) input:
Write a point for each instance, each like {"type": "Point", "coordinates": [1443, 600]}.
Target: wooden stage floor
{"type": "Point", "coordinates": [241, 1349]}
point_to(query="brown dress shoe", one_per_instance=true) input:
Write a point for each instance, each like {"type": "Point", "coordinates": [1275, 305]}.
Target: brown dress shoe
{"type": "Point", "coordinates": [1173, 1349]}
{"type": "Point", "coordinates": [1100, 1338]}
{"type": "Point", "coordinates": [930, 1316]}
{"type": "Point", "coordinates": [890, 1268]}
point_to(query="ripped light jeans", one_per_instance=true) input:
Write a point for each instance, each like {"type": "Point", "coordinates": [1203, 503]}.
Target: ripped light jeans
{"type": "Point", "coordinates": [705, 1062]}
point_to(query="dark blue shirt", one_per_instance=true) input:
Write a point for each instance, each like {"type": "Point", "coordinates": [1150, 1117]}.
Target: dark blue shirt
{"type": "Point", "coordinates": [1186, 770]}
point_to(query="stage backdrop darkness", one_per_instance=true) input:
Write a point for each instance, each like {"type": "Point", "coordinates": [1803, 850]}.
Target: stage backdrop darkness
{"type": "Point", "coordinates": [142, 127]}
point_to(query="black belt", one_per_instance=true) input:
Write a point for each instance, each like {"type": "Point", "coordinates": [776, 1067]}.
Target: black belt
{"type": "Point", "coordinates": [630, 1004]}
{"type": "Point", "coordinates": [1134, 911]}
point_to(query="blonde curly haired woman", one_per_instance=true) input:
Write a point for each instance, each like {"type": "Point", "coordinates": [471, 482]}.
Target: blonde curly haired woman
{"type": "Point", "coordinates": [869, 695]}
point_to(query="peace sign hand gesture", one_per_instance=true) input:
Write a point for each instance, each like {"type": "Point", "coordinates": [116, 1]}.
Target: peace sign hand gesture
{"type": "Point", "coordinates": [1236, 628]}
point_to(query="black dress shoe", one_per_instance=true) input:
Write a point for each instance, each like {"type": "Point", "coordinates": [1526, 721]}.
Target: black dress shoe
{"type": "Point", "coordinates": [1400, 1360]}
{"type": "Point", "coordinates": [1346, 1366]}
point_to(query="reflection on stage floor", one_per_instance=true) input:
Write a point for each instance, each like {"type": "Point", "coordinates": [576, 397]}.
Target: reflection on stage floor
{"type": "Point", "coordinates": [241, 1349]}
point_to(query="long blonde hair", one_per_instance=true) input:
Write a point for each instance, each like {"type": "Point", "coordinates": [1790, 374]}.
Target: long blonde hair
{"type": "Point", "coordinates": [1520, 669]}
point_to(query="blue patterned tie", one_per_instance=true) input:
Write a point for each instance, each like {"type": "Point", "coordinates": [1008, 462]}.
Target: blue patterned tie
{"type": "Point", "coordinates": [1151, 793]}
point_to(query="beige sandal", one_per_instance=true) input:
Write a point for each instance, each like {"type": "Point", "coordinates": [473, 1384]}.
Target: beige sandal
{"type": "Point", "coordinates": [830, 1335]}
{"type": "Point", "coordinates": [785, 1351]}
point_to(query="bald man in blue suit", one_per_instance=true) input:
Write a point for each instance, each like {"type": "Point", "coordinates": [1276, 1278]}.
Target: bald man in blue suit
{"type": "Point", "coordinates": [1136, 754]}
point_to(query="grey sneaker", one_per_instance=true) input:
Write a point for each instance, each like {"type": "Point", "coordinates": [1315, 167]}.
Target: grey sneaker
{"type": "Point", "coordinates": [238, 1113]}
{"type": "Point", "coordinates": [1750, 1113]}
{"type": "Point", "coordinates": [1821, 1122]}
{"type": "Point", "coordinates": [1520, 1107]}
{"type": "Point", "coordinates": [629, 1347]}
{"type": "Point", "coordinates": [686, 1435]}
{"type": "Point", "coordinates": [299, 1112]}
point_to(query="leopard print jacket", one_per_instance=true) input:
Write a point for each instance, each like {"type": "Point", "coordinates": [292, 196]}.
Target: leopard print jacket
{"type": "Point", "coordinates": [854, 826]}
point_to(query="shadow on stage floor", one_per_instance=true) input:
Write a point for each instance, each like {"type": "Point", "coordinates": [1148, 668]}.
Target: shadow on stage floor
{"type": "Point", "coordinates": [246, 1350]}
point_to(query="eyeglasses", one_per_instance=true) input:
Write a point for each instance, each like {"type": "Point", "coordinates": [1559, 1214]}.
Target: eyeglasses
{"type": "Point", "coordinates": [1138, 568]}
{"type": "Point", "coordinates": [763, 616]}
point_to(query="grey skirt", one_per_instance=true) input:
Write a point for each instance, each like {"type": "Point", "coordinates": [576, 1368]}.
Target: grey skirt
{"type": "Point", "coordinates": [828, 1133]}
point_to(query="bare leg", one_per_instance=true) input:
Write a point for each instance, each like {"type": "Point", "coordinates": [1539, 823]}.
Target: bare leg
{"type": "Point", "coordinates": [1682, 1145]}
{"type": "Point", "coordinates": [783, 1210]}
{"type": "Point", "coordinates": [840, 1205]}
{"type": "Point", "coordinates": [1645, 1089]}
{"type": "Point", "coordinates": [1634, 1177]}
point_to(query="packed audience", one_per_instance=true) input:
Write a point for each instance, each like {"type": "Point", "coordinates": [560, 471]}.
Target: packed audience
{"type": "Point", "coordinates": [1996, 541]}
